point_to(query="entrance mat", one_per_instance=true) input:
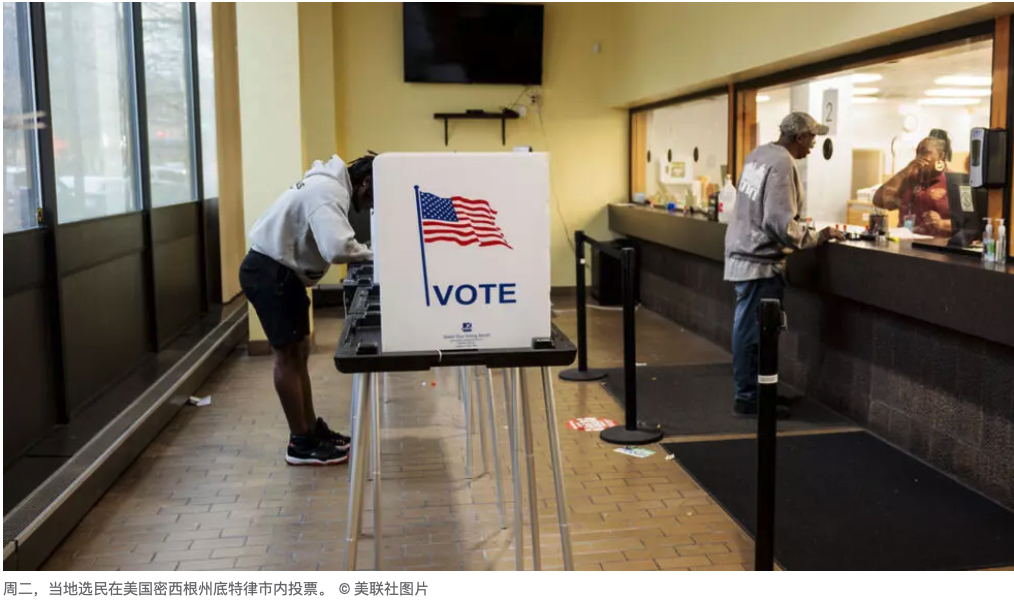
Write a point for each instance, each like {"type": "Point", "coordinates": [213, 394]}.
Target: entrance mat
{"type": "Point", "coordinates": [697, 400]}
{"type": "Point", "coordinates": [851, 502]}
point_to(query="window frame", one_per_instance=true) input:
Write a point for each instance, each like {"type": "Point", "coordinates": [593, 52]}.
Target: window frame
{"type": "Point", "coordinates": [637, 124]}
{"type": "Point", "coordinates": [194, 98]}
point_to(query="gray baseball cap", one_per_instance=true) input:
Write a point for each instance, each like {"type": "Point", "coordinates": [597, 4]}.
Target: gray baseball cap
{"type": "Point", "coordinates": [798, 122]}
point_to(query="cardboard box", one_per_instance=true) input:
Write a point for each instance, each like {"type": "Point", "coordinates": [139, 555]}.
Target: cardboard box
{"type": "Point", "coordinates": [859, 214]}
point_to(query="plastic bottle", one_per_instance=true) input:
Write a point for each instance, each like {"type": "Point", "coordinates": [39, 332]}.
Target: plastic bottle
{"type": "Point", "coordinates": [726, 201]}
{"type": "Point", "coordinates": [1000, 245]}
{"type": "Point", "coordinates": [987, 242]}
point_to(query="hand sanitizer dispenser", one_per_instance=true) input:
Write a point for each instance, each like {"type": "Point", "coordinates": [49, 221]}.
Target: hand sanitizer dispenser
{"type": "Point", "coordinates": [988, 158]}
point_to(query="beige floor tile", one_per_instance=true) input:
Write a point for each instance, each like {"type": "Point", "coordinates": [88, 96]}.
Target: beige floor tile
{"type": "Point", "coordinates": [213, 492]}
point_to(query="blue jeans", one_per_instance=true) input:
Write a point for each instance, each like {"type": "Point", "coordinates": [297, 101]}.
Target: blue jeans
{"type": "Point", "coordinates": [746, 333]}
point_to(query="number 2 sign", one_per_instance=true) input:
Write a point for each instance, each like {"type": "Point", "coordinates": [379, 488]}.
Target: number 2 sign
{"type": "Point", "coordinates": [829, 111]}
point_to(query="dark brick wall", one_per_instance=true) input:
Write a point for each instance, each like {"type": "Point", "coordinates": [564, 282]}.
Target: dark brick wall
{"type": "Point", "coordinates": [946, 397]}
{"type": "Point", "coordinates": [687, 289]}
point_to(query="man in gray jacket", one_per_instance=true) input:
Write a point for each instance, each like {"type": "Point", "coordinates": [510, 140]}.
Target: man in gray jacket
{"type": "Point", "coordinates": [292, 246]}
{"type": "Point", "coordinates": [765, 228]}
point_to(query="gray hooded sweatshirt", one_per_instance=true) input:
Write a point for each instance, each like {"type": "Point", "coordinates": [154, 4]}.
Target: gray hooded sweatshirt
{"type": "Point", "coordinates": [765, 226]}
{"type": "Point", "coordinates": [307, 228]}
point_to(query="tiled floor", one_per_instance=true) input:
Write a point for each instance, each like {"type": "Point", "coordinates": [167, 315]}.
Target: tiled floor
{"type": "Point", "coordinates": [213, 491]}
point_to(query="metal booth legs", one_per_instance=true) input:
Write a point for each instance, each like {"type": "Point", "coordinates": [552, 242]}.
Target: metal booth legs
{"type": "Point", "coordinates": [366, 431]}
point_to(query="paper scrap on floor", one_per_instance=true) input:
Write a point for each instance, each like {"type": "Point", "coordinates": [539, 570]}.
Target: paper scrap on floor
{"type": "Point", "coordinates": [637, 452]}
{"type": "Point", "coordinates": [200, 401]}
{"type": "Point", "coordinates": [590, 424]}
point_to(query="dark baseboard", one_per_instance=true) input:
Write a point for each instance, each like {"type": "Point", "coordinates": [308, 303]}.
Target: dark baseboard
{"type": "Point", "coordinates": [562, 291]}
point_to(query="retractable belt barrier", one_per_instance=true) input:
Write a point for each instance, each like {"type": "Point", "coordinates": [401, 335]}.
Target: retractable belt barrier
{"type": "Point", "coordinates": [630, 433]}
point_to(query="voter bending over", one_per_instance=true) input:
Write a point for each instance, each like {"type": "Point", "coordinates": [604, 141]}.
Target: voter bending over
{"type": "Point", "coordinates": [292, 246]}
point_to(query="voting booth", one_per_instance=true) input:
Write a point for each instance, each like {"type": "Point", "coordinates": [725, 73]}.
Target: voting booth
{"type": "Point", "coordinates": [464, 249]}
{"type": "Point", "coordinates": [462, 241]}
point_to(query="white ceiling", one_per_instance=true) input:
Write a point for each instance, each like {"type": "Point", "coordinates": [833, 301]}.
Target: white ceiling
{"type": "Point", "coordinates": [909, 78]}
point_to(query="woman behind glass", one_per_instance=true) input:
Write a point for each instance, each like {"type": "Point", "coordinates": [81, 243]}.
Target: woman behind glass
{"type": "Point", "coordinates": [919, 191]}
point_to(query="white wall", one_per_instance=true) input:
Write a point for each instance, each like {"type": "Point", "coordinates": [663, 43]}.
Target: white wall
{"type": "Point", "coordinates": [829, 182]}
{"type": "Point", "coordinates": [883, 122]}
{"type": "Point", "coordinates": [702, 124]}
{"type": "Point", "coordinates": [770, 115]}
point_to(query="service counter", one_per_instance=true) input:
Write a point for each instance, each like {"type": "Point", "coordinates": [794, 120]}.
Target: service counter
{"type": "Point", "coordinates": [917, 345]}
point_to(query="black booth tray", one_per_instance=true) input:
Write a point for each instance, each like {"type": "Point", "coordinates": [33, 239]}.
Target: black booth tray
{"type": "Point", "coordinates": [359, 275]}
{"type": "Point", "coordinates": [360, 351]}
{"type": "Point", "coordinates": [364, 300]}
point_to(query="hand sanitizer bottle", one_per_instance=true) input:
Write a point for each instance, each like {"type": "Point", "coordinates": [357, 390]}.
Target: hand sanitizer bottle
{"type": "Point", "coordinates": [726, 201]}
{"type": "Point", "coordinates": [987, 243]}
{"type": "Point", "coordinates": [1000, 245]}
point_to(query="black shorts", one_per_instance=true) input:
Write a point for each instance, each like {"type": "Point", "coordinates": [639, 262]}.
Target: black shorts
{"type": "Point", "coordinates": [279, 298]}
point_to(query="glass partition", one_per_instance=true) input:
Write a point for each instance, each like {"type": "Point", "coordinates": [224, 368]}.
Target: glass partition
{"type": "Point", "coordinates": [167, 75]}
{"type": "Point", "coordinates": [90, 93]}
{"type": "Point", "coordinates": [685, 152]}
{"type": "Point", "coordinates": [899, 140]}
{"type": "Point", "coordinates": [21, 192]}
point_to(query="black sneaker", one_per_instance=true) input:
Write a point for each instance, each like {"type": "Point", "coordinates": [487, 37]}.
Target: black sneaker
{"type": "Point", "coordinates": [312, 451]}
{"type": "Point", "coordinates": [333, 437]}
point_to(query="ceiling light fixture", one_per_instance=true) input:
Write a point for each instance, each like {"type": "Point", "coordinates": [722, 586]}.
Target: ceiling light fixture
{"type": "Point", "coordinates": [763, 98]}
{"type": "Point", "coordinates": [964, 80]}
{"type": "Point", "coordinates": [950, 102]}
{"type": "Point", "coordinates": [864, 91]}
{"type": "Point", "coordinates": [866, 78]}
{"type": "Point", "coordinates": [959, 92]}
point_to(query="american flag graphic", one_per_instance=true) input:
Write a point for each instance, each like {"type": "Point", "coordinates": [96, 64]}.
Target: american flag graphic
{"type": "Point", "coordinates": [459, 220]}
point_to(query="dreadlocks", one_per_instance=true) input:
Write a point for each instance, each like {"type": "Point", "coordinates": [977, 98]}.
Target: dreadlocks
{"type": "Point", "coordinates": [361, 168]}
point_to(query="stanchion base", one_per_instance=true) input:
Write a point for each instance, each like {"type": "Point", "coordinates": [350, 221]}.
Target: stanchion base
{"type": "Point", "coordinates": [620, 435]}
{"type": "Point", "coordinates": [575, 375]}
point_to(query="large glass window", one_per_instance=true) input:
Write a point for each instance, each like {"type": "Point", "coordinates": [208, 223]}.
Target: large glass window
{"type": "Point", "coordinates": [685, 154]}
{"type": "Point", "coordinates": [90, 96]}
{"type": "Point", "coordinates": [166, 72]}
{"type": "Point", "coordinates": [21, 194]}
{"type": "Point", "coordinates": [899, 140]}
{"type": "Point", "coordinates": [206, 78]}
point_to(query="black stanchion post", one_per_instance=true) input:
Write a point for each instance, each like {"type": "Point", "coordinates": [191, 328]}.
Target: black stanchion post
{"type": "Point", "coordinates": [582, 373]}
{"type": "Point", "coordinates": [770, 316]}
{"type": "Point", "coordinates": [629, 339]}
{"type": "Point", "coordinates": [630, 433]}
{"type": "Point", "coordinates": [582, 304]}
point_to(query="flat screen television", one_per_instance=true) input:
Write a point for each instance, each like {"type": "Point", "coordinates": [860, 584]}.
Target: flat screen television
{"type": "Point", "coordinates": [473, 43]}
